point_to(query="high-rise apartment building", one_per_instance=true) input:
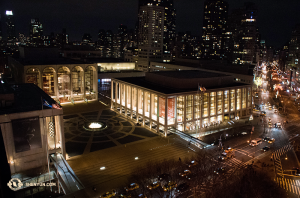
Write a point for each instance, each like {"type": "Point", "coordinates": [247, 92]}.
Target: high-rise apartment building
{"type": "Point", "coordinates": [294, 49]}
{"type": "Point", "coordinates": [169, 22]}
{"type": "Point", "coordinates": [150, 35]}
{"type": "Point", "coordinates": [244, 42]}
{"type": "Point", "coordinates": [36, 32]}
{"type": "Point", "coordinates": [10, 26]}
{"type": "Point", "coordinates": [214, 28]}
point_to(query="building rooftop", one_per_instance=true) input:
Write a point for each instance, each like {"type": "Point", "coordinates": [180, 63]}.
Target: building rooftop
{"type": "Point", "coordinates": [189, 74]}
{"type": "Point", "coordinates": [142, 82]}
{"type": "Point", "coordinates": [28, 97]}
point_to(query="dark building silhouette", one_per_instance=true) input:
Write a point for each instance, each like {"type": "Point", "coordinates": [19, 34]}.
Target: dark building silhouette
{"type": "Point", "coordinates": [214, 28]}
{"type": "Point", "coordinates": [10, 26]}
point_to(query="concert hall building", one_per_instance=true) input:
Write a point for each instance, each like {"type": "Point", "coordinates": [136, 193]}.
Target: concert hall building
{"type": "Point", "coordinates": [160, 100]}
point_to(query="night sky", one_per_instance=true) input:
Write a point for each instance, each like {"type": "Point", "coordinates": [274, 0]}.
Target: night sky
{"type": "Point", "coordinates": [276, 19]}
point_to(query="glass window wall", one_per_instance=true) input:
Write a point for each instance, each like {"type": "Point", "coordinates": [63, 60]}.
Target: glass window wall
{"type": "Point", "coordinates": [48, 81]}
{"type": "Point", "coordinates": [232, 100]}
{"type": "Point", "coordinates": [188, 107]}
{"type": "Point", "coordinates": [77, 83]}
{"type": "Point", "coordinates": [244, 100]}
{"type": "Point", "coordinates": [205, 105]}
{"type": "Point", "coordinates": [89, 83]}
{"type": "Point", "coordinates": [220, 102]}
{"type": "Point", "coordinates": [63, 80]}
{"type": "Point", "coordinates": [162, 112]}
{"type": "Point", "coordinates": [249, 97]}
{"type": "Point", "coordinates": [238, 99]}
{"type": "Point", "coordinates": [140, 101]}
{"type": "Point", "coordinates": [180, 108]}
{"type": "Point", "coordinates": [197, 106]}
{"type": "Point", "coordinates": [147, 104]}
{"type": "Point", "coordinates": [226, 101]}
{"type": "Point", "coordinates": [154, 107]}
{"type": "Point", "coordinates": [213, 103]}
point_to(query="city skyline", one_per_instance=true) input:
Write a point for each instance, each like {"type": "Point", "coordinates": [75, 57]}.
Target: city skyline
{"type": "Point", "coordinates": [79, 18]}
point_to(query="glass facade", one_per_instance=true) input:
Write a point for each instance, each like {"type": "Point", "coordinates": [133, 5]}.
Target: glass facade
{"type": "Point", "coordinates": [212, 103]}
{"type": "Point", "coordinates": [180, 107]}
{"type": "Point", "coordinates": [244, 99]}
{"type": "Point", "coordinates": [226, 101]}
{"type": "Point", "coordinates": [220, 102]}
{"type": "Point", "coordinates": [63, 80]}
{"type": "Point", "coordinates": [154, 107]}
{"type": "Point", "coordinates": [205, 105]}
{"type": "Point", "coordinates": [232, 100]}
{"type": "Point", "coordinates": [48, 81]}
{"type": "Point", "coordinates": [77, 83]}
{"type": "Point", "coordinates": [238, 99]}
{"type": "Point", "coordinates": [188, 107]}
{"type": "Point", "coordinates": [197, 106]}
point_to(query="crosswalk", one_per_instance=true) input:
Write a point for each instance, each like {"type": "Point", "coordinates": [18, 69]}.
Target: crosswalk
{"type": "Point", "coordinates": [293, 136]}
{"type": "Point", "coordinates": [290, 185]}
{"type": "Point", "coordinates": [276, 157]}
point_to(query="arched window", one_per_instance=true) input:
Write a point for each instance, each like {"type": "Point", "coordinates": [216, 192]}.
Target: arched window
{"type": "Point", "coordinates": [89, 82]}
{"type": "Point", "coordinates": [48, 81]}
{"type": "Point", "coordinates": [64, 85]}
{"type": "Point", "coordinates": [77, 83]}
{"type": "Point", "coordinates": [33, 76]}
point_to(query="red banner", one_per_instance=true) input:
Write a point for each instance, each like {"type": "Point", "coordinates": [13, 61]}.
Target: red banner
{"type": "Point", "coordinates": [162, 107]}
{"type": "Point", "coordinates": [171, 108]}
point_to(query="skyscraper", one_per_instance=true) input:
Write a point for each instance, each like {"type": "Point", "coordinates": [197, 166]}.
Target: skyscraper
{"type": "Point", "coordinates": [214, 28]}
{"type": "Point", "coordinates": [36, 32]}
{"type": "Point", "coordinates": [169, 35]}
{"type": "Point", "coordinates": [294, 49]}
{"type": "Point", "coordinates": [245, 37]}
{"type": "Point", "coordinates": [150, 35]}
{"type": "Point", "coordinates": [10, 25]}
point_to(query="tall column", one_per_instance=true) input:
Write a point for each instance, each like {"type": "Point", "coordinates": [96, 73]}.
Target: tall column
{"type": "Point", "coordinates": [166, 116]}
{"type": "Point", "coordinates": [131, 94]}
{"type": "Point", "coordinates": [175, 113]}
{"type": "Point", "coordinates": [157, 117]}
{"type": "Point", "coordinates": [84, 96]}
{"type": "Point", "coordinates": [116, 95]}
{"type": "Point", "coordinates": [208, 107]}
{"type": "Point", "coordinates": [229, 104]}
{"type": "Point", "coordinates": [150, 110]}
{"type": "Point", "coordinates": [126, 87]}
{"type": "Point", "coordinates": [137, 104]}
{"type": "Point", "coordinates": [193, 110]}
{"type": "Point", "coordinates": [111, 94]}
{"type": "Point", "coordinates": [144, 102]}
{"type": "Point", "coordinates": [62, 136]}
{"type": "Point", "coordinates": [71, 86]}
{"type": "Point", "coordinates": [121, 91]}
{"type": "Point", "coordinates": [223, 104]}
{"type": "Point", "coordinates": [184, 113]}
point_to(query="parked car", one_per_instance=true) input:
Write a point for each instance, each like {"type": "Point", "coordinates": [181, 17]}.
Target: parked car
{"type": "Point", "coordinates": [266, 148]}
{"type": "Point", "coordinates": [132, 186]}
{"type": "Point", "coordinates": [153, 185]}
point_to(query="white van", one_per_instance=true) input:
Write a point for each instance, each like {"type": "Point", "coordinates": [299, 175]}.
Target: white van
{"type": "Point", "coordinates": [256, 142]}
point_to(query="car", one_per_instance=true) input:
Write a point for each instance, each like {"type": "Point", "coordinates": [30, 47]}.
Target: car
{"type": "Point", "coordinates": [270, 124]}
{"type": "Point", "coordinates": [266, 139]}
{"type": "Point", "coordinates": [278, 125]}
{"type": "Point", "coordinates": [271, 140]}
{"type": "Point", "coordinates": [153, 185]}
{"type": "Point", "coordinates": [142, 196]}
{"type": "Point", "coordinates": [296, 171]}
{"type": "Point", "coordinates": [185, 173]}
{"type": "Point", "coordinates": [220, 171]}
{"type": "Point", "coordinates": [225, 156]}
{"type": "Point", "coordinates": [170, 186]}
{"type": "Point", "coordinates": [108, 194]}
{"type": "Point", "coordinates": [263, 113]}
{"type": "Point", "coordinates": [275, 111]}
{"type": "Point", "coordinates": [163, 177]}
{"type": "Point", "coordinates": [132, 186]}
{"type": "Point", "coordinates": [182, 188]}
{"type": "Point", "coordinates": [266, 148]}
{"type": "Point", "coordinates": [192, 163]}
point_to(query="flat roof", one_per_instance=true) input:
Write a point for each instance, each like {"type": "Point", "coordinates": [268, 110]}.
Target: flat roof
{"type": "Point", "coordinates": [189, 74]}
{"type": "Point", "coordinates": [27, 97]}
{"type": "Point", "coordinates": [141, 81]}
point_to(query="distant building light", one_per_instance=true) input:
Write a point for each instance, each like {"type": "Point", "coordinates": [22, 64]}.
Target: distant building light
{"type": "Point", "coordinates": [9, 12]}
{"type": "Point", "coordinates": [102, 168]}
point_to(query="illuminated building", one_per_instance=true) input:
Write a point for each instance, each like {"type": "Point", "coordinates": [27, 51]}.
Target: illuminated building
{"type": "Point", "coordinates": [244, 42]}
{"type": "Point", "coordinates": [214, 28]}
{"type": "Point", "coordinates": [65, 80]}
{"type": "Point", "coordinates": [171, 99]}
{"type": "Point", "coordinates": [86, 39]}
{"type": "Point", "coordinates": [10, 26]}
{"type": "Point", "coordinates": [36, 32]}
{"type": "Point", "coordinates": [294, 49]}
{"type": "Point", "coordinates": [150, 35]}
{"type": "Point", "coordinates": [169, 34]}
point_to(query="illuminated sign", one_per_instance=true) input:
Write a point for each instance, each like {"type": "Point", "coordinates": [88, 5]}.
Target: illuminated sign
{"type": "Point", "coordinates": [9, 12]}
